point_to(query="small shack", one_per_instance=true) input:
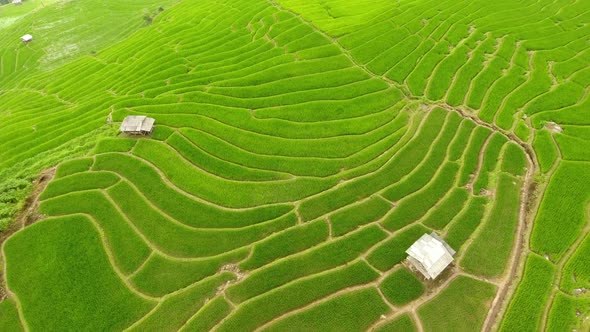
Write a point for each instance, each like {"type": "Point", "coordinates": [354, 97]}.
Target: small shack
{"type": "Point", "coordinates": [26, 38]}
{"type": "Point", "coordinates": [17, 2]}
{"type": "Point", "coordinates": [430, 255]}
{"type": "Point", "coordinates": [137, 125]}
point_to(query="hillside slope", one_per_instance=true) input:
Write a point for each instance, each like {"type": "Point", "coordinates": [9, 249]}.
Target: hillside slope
{"type": "Point", "coordinates": [300, 148]}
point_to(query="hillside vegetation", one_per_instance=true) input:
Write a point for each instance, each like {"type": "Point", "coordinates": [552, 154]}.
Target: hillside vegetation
{"type": "Point", "coordinates": [300, 148]}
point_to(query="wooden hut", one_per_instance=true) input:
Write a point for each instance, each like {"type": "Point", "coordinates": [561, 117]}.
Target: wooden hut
{"type": "Point", "coordinates": [137, 125]}
{"type": "Point", "coordinates": [430, 255]}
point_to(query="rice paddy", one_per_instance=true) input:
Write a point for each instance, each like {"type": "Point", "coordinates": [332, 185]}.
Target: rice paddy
{"type": "Point", "coordinates": [300, 148]}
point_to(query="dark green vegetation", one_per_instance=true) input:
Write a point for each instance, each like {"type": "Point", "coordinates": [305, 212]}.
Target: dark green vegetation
{"type": "Point", "coordinates": [300, 148]}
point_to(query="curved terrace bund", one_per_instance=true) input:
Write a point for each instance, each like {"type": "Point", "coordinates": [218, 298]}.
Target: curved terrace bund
{"type": "Point", "coordinates": [300, 148]}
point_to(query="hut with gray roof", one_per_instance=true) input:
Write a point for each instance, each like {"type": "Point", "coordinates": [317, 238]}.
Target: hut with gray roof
{"type": "Point", "coordinates": [137, 125]}
{"type": "Point", "coordinates": [430, 255]}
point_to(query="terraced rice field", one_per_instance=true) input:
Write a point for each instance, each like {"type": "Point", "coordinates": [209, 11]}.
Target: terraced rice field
{"type": "Point", "coordinates": [301, 147]}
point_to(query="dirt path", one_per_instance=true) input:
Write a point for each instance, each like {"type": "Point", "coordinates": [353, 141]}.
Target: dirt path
{"type": "Point", "coordinates": [29, 215]}
{"type": "Point", "coordinates": [527, 191]}
{"type": "Point", "coordinates": [26, 217]}
{"type": "Point", "coordinates": [412, 308]}
{"type": "Point", "coordinates": [519, 251]}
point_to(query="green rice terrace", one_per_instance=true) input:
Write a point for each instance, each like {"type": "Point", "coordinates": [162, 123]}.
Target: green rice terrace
{"type": "Point", "coordinates": [300, 148]}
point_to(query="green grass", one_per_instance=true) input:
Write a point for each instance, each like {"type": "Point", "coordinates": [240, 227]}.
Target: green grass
{"type": "Point", "coordinates": [522, 131]}
{"type": "Point", "coordinates": [564, 313]}
{"type": "Point", "coordinates": [17, 181]}
{"type": "Point", "coordinates": [9, 319]}
{"type": "Point", "coordinates": [353, 311]}
{"type": "Point", "coordinates": [466, 222]}
{"type": "Point", "coordinates": [545, 149]}
{"type": "Point", "coordinates": [576, 273]}
{"type": "Point", "coordinates": [321, 258]}
{"type": "Point", "coordinates": [114, 145]}
{"type": "Point", "coordinates": [514, 160]}
{"type": "Point", "coordinates": [490, 250]}
{"type": "Point", "coordinates": [259, 310]}
{"type": "Point", "coordinates": [470, 159]}
{"type": "Point", "coordinates": [401, 287]}
{"type": "Point", "coordinates": [403, 323]}
{"type": "Point", "coordinates": [74, 166]}
{"type": "Point", "coordinates": [457, 148]}
{"type": "Point", "coordinates": [528, 304]}
{"type": "Point", "coordinates": [300, 148]}
{"type": "Point", "coordinates": [209, 315]}
{"type": "Point", "coordinates": [179, 206]}
{"type": "Point", "coordinates": [490, 160]}
{"type": "Point", "coordinates": [393, 251]}
{"type": "Point", "coordinates": [79, 182]}
{"type": "Point", "coordinates": [424, 172]}
{"type": "Point", "coordinates": [447, 208]}
{"type": "Point", "coordinates": [286, 243]}
{"type": "Point", "coordinates": [173, 312]}
{"type": "Point", "coordinates": [355, 216]}
{"type": "Point", "coordinates": [406, 159]}
{"type": "Point", "coordinates": [222, 191]}
{"type": "Point", "coordinates": [572, 148]}
{"type": "Point", "coordinates": [162, 275]}
{"type": "Point", "coordinates": [218, 166]}
{"type": "Point", "coordinates": [563, 210]}
{"type": "Point", "coordinates": [416, 205]}
{"type": "Point", "coordinates": [127, 247]}
{"type": "Point", "coordinates": [71, 269]}
{"type": "Point", "coordinates": [463, 304]}
{"type": "Point", "coordinates": [180, 241]}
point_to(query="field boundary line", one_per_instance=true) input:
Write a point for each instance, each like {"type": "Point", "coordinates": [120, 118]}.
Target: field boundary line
{"type": "Point", "coordinates": [585, 234]}
{"type": "Point", "coordinates": [414, 315]}
{"type": "Point", "coordinates": [521, 242]}
{"type": "Point", "coordinates": [11, 295]}
{"type": "Point", "coordinates": [505, 72]}
{"type": "Point", "coordinates": [157, 250]}
{"type": "Point", "coordinates": [110, 256]}
{"type": "Point", "coordinates": [187, 194]}
{"type": "Point", "coordinates": [286, 174]}
{"type": "Point", "coordinates": [174, 221]}
{"type": "Point", "coordinates": [314, 303]}
{"type": "Point", "coordinates": [416, 304]}
{"type": "Point", "coordinates": [20, 222]}
{"type": "Point", "coordinates": [517, 252]}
